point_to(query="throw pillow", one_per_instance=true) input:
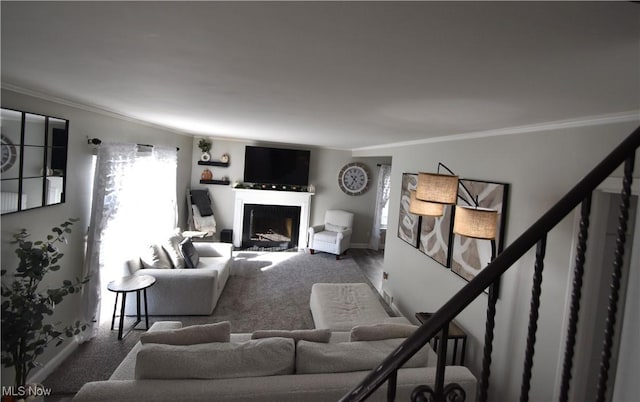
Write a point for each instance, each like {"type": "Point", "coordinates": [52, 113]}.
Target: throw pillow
{"type": "Point", "coordinates": [190, 254]}
{"type": "Point", "coordinates": [312, 335]}
{"type": "Point", "coordinates": [172, 247]}
{"type": "Point", "coordinates": [159, 257]}
{"type": "Point", "coordinates": [334, 228]}
{"type": "Point", "coordinates": [191, 335]}
{"type": "Point", "coordinates": [256, 358]}
{"type": "Point", "coordinates": [379, 332]}
{"type": "Point", "coordinates": [313, 357]}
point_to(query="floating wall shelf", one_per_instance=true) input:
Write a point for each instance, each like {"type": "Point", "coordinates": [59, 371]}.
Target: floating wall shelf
{"type": "Point", "coordinates": [222, 182]}
{"type": "Point", "coordinates": [214, 163]}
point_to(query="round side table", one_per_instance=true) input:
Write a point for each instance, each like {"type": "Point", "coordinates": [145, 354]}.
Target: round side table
{"type": "Point", "coordinates": [133, 283]}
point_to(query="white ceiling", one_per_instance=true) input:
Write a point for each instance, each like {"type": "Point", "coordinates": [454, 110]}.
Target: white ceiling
{"type": "Point", "coordinates": [332, 74]}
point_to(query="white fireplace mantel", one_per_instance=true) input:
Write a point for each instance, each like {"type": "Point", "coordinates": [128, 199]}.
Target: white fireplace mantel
{"type": "Point", "coordinates": [271, 197]}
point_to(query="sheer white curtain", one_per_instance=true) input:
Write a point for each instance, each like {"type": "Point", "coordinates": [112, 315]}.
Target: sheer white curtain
{"type": "Point", "coordinates": [382, 200]}
{"type": "Point", "coordinates": [134, 202]}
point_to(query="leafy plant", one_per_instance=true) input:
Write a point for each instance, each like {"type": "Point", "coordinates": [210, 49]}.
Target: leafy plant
{"type": "Point", "coordinates": [204, 145]}
{"type": "Point", "coordinates": [25, 306]}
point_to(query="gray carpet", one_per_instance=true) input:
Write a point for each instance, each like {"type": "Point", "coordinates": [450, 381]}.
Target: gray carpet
{"type": "Point", "coordinates": [264, 291]}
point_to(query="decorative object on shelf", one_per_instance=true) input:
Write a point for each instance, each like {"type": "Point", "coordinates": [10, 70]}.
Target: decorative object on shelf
{"type": "Point", "coordinates": [206, 175]}
{"type": "Point", "coordinates": [26, 306]}
{"type": "Point", "coordinates": [205, 147]}
{"type": "Point", "coordinates": [224, 158]}
{"type": "Point", "coordinates": [353, 178]}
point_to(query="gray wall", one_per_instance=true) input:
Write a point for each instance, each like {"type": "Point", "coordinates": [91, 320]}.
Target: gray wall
{"type": "Point", "coordinates": [324, 167]}
{"type": "Point", "coordinates": [540, 167]}
{"type": "Point", "coordinates": [82, 124]}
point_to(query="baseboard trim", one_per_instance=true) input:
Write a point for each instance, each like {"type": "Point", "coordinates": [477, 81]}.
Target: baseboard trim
{"type": "Point", "coordinates": [396, 309]}
{"type": "Point", "coordinates": [39, 376]}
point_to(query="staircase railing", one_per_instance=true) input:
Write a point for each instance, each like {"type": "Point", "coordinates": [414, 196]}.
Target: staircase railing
{"type": "Point", "coordinates": [387, 371]}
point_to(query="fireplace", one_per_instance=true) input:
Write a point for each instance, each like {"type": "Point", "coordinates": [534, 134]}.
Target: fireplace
{"type": "Point", "coordinates": [300, 201]}
{"type": "Point", "coordinates": [270, 226]}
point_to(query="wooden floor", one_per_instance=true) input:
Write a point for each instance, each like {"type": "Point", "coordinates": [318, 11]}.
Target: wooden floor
{"type": "Point", "coordinates": [371, 263]}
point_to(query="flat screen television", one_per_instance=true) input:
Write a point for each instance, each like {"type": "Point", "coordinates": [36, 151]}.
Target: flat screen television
{"type": "Point", "coordinates": [263, 165]}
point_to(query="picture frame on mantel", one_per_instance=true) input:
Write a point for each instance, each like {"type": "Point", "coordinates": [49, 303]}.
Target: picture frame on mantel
{"type": "Point", "coordinates": [408, 223]}
{"type": "Point", "coordinates": [470, 256]}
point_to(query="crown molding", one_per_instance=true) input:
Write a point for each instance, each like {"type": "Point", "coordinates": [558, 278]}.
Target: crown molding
{"type": "Point", "coordinates": [622, 117]}
{"type": "Point", "coordinates": [86, 107]}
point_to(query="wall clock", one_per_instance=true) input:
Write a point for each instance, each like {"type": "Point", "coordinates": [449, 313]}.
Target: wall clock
{"type": "Point", "coordinates": [353, 178]}
{"type": "Point", "coordinates": [9, 154]}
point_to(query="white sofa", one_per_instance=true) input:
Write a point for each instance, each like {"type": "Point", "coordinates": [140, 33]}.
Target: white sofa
{"type": "Point", "coordinates": [289, 386]}
{"type": "Point", "coordinates": [185, 291]}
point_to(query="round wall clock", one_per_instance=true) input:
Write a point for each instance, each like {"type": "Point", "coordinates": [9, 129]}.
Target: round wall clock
{"type": "Point", "coordinates": [353, 178]}
{"type": "Point", "coordinates": [9, 154]}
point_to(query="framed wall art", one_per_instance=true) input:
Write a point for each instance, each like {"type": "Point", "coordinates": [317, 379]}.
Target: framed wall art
{"type": "Point", "coordinates": [435, 236]}
{"type": "Point", "coordinates": [408, 223]}
{"type": "Point", "coordinates": [469, 256]}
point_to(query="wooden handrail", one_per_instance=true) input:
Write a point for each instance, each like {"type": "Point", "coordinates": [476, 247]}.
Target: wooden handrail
{"type": "Point", "coordinates": [495, 269]}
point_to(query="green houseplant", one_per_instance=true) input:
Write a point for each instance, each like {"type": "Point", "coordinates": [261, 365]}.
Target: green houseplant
{"type": "Point", "coordinates": [25, 306]}
{"type": "Point", "coordinates": [204, 145]}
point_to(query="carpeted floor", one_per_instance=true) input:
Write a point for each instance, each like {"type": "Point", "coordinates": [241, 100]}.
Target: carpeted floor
{"type": "Point", "coordinates": [264, 291]}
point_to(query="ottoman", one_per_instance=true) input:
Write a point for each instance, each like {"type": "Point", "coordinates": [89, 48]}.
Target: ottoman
{"type": "Point", "coordinates": [342, 306]}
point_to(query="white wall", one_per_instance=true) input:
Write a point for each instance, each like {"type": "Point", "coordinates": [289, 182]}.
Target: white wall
{"type": "Point", "coordinates": [323, 174]}
{"type": "Point", "coordinates": [540, 167]}
{"type": "Point", "coordinates": [82, 124]}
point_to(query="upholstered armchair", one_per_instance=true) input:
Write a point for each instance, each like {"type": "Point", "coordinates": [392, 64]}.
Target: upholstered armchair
{"type": "Point", "coordinates": [334, 236]}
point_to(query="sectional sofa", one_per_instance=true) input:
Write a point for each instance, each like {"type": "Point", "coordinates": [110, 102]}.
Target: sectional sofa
{"type": "Point", "coordinates": [281, 366]}
{"type": "Point", "coordinates": [269, 369]}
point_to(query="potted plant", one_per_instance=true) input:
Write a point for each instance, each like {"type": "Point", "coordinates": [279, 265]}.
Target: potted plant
{"type": "Point", "coordinates": [205, 147]}
{"type": "Point", "coordinates": [25, 306]}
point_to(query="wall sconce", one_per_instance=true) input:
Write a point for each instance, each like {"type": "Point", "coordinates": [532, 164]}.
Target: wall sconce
{"type": "Point", "coordinates": [470, 221]}
{"type": "Point", "coordinates": [480, 223]}
{"type": "Point", "coordinates": [425, 208]}
{"type": "Point", "coordinates": [439, 189]}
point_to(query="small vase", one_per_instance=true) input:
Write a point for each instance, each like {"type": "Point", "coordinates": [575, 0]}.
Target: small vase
{"type": "Point", "coordinates": [205, 157]}
{"type": "Point", "coordinates": [206, 175]}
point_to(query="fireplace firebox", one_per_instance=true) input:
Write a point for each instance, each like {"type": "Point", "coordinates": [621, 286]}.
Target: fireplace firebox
{"type": "Point", "coordinates": [270, 226]}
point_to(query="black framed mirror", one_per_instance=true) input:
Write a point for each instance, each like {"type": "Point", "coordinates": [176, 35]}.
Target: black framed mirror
{"type": "Point", "coordinates": [34, 160]}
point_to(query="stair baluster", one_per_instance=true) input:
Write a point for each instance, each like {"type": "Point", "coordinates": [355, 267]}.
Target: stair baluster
{"type": "Point", "coordinates": [616, 276]}
{"type": "Point", "coordinates": [533, 318]}
{"type": "Point", "coordinates": [576, 295]}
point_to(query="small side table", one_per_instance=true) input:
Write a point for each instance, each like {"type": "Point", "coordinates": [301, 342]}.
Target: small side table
{"type": "Point", "coordinates": [133, 283]}
{"type": "Point", "coordinates": [455, 333]}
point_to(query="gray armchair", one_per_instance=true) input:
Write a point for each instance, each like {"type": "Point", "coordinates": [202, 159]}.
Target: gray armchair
{"type": "Point", "coordinates": [334, 236]}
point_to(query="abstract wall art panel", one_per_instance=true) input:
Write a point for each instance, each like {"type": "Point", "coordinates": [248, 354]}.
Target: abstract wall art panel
{"type": "Point", "coordinates": [408, 223]}
{"type": "Point", "coordinates": [435, 236]}
{"type": "Point", "coordinates": [469, 256]}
